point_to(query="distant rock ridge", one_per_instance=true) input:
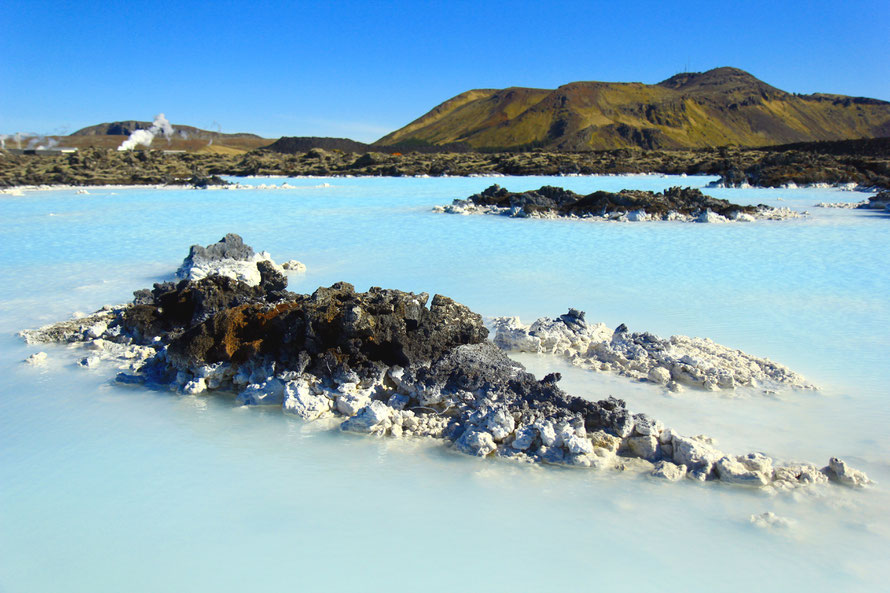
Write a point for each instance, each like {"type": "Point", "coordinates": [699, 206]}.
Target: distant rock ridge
{"type": "Point", "coordinates": [385, 363]}
{"type": "Point", "coordinates": [850, 164]}
{"type": "Point", "coordinates": [307, 144]}
{"type": "Point", "coordinates": [673, 204]}
{"type": "Point", "coordinates": [298, 144]}
{"type": "Point", "coordinates": [720, 107]}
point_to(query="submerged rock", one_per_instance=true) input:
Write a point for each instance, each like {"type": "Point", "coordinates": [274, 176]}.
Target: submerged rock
{"type": "Point", "coordinates": [389, 365]}
{"type": "Point", "coordinates": [675, 203]}
{"type": "Point", "coordinates": [36, 359]}
{"type": "Point", "coordinates": [293, 265]}
{"type": "Point", "coordinates": [770, 520]}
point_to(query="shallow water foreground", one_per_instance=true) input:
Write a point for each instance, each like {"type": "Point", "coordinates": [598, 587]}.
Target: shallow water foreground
{"type": "Point", "coordinates": [105, 487]}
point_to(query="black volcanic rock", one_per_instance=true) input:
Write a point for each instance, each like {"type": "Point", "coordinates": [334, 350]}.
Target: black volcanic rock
{"type": "Point", "coordinates": [562, 202]}
{"type": "Point", "coordinates": [217, 319]}
{"type": "Point", "coordinates": [231, 246]}
{"type": "Point", "coordinates": [298, 144]}
{"type": "Point", "coordinates": [484, 368]}
{"type": "Point", "coordinates": [879, 201]}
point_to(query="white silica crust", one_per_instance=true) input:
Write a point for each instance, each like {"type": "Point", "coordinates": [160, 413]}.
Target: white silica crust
{"type": "Point", "coordinates": [770, 520]}
{"type": "Point", "coordinates": [230, 257]}
{"type": "Point", "coordinates": [672, 362]}
{"type": "Point", "coordinates": [242, 270]}
{"type": "Point", "coordinates": [842, 205]}
{"type": "Point", "coordinates": [765, 213]}
{"type": "Point", "coordinates": [293, 265]}
{"type": "Point", "coordinates": [36, 359]}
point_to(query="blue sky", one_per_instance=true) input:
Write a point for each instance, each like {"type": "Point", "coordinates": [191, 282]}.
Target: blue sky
{"type": "Point", "coordinates": [362, 69]}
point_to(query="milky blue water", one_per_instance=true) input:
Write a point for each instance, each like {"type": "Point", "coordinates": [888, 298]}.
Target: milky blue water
{"type": "Point", "coordinates": [111, 488]}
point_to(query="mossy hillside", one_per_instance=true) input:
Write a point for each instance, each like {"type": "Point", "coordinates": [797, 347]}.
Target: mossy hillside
{"type": "Point", "coordinates": [721, 107]}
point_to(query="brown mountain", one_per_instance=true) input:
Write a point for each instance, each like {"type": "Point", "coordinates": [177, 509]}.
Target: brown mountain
{"type": "Point", "coordinates": [720, 107]}
{"type": "Point", "coordinates": [188, 138]}
{"type": "Point", "coordinates": [125, 128]}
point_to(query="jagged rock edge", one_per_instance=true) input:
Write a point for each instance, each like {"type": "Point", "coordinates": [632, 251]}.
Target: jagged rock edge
{"type": "Point", "coordinates": [560, 430]}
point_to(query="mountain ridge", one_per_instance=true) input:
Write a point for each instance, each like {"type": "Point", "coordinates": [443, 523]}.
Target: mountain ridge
{"type": "Point", "coordinates": [719, 107]}
{"type": "Point", "coordinates": [127, 127]}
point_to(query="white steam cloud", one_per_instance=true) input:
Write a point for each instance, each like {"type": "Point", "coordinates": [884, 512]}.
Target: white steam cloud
{"type": "Point", "coordinates": [3, 138]}
{"type": "Point", "coordinates": [160, 125]}
{"type": "Point", "coordinates": [41, 142]}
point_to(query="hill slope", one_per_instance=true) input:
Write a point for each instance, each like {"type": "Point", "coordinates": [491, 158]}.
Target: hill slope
{"type": "Point", "coordinates": [297, 144]}
{"type": "Point", "coordinates": [187, 138]}
{"type": "Point", "coordinates": [724, 106]}
{"type": "Point", "coordinates": [125, 128]}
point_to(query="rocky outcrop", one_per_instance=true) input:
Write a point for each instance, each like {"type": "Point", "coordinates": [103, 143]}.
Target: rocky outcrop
{"type": "Point", "coordinates": [820, 164]}
{"type": "Point", "coordinates": [332, 331]}
{"type": "Point", "coordinates": [675, 203]}
{"type": "Point", "coordinates": [386, 363]}
{"type": "Point", "coordinates": [672, 362]}
{"type": "Point", "coordinates": [230, 257]}
{"type": "Point", "coordinates": [770, 167]}
{"type": "Point", "coordinates": [879, 201]}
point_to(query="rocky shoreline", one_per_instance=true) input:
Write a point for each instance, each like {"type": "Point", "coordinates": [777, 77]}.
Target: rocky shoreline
{"type": "Point", "coordinates": [674, 204]}
{"type": "Point", "coordinates": [385, 363]}
{"type": "Point", "coordinates": [736, 167]}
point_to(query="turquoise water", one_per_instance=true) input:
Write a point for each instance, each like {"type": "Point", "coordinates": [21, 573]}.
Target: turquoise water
{"type": "Point", "coordinates": [107, 488]}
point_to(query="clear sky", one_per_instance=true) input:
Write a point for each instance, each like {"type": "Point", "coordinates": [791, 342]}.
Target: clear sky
{"type": "Point", "coordinates": [361, 69]}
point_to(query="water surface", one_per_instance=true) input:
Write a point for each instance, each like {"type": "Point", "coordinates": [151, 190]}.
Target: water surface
{"type": "Point", "coordinates": [110, 488]}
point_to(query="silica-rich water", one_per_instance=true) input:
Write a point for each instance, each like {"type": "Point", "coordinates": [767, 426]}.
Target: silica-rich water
{"type": "Point", "coordinates": [106, 487]}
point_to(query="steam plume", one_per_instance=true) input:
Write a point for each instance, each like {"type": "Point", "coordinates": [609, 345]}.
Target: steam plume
{"type": "Point", "coordinates": [218, 127]}
{"type": "Point", "coordinates": [41, 142]}
{"type": "Point", "coordinates": [160, 125]}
